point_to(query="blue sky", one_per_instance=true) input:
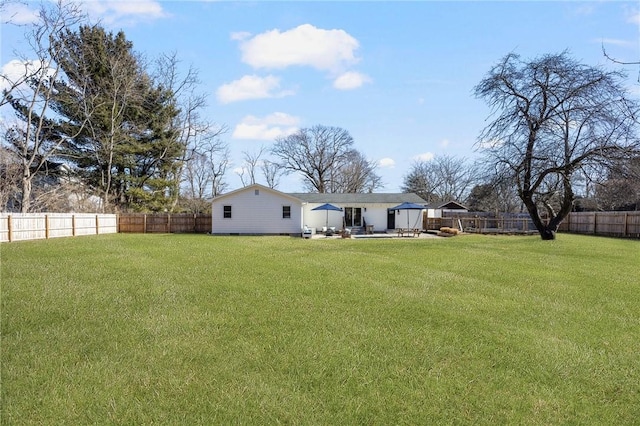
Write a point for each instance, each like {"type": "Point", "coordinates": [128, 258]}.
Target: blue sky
{"type": "Point", "coordinates": [398, 76]}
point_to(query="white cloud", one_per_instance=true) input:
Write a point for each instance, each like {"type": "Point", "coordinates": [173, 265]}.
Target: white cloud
{"type": "Point", "coordinates": [19, 14]}
{"type": "Point", "coordinates": [272, 126]}
{"type": "Point", "coordinates": [12, 72]}
{"type": "Point", "coordinates": [107, 11]}
{"type": "Point", "coordinates": [444, 143]}
{"type": "Point", "coordinates": [617, 42]}
{"type": "Point", "coordinates": [387, 163]}
{"type": "Point", "coordinates": [15, 71]}
{"type": "Point", "coordinates": [426, 156]}
{"type": "Point", "coordinates": [251, 87]}
{"type": "Point", "coordinates": [351, 80]}
{"type": "Point", "coordinates": [305, 45]}
{"type": "Point", "coordinates": [115, 11]}
{"type": "Point", "coordinates": [633, 16]}
{"type": "Point", "coordinates": [240, 35]}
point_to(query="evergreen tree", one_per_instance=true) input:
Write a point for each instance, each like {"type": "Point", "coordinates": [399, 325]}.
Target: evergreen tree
{"type": "Point", "coordinates": [129, 150]}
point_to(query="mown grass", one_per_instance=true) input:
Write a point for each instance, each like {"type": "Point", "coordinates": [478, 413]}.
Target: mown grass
{"type": "Point", "coordinates": [192, 329]}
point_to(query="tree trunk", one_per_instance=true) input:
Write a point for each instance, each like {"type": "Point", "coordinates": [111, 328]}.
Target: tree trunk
{"type": "Point", "coordinates": [25, 199]}
{"type": "Point", "coordinates": [547, 231]}
{"type": "Point", "coordinates": [547, 234]}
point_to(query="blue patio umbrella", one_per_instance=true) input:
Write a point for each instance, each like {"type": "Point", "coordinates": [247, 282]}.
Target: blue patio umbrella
{"type": "Point", "coordinates": [408, 206]}
{"type": "Point", "coordinates": [328, 207]}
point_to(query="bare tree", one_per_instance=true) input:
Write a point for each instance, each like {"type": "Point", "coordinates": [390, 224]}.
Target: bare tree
{"type": "Point", "coordinates": [620, 190]}
{"type": "Point", "coordinates": [554, 117]}
{"type": "Point", "coordinates": [218, 154]}
{"type": "Point", "coordinates": [251, 162]}
{"type": "Point", "coordinates": [422, 180]}
{"type": "Point", "coordinates": [206, 158]}
{"type": "Point", "coordinates": [10, 176]}
{"type": "Point", "coordinates": [318, 154]}
{"type": "Point", "coordinates": [355, 174]}
{"type": "Point", "coordinates": [36, 138]}
{"type": "Point", "coordinates": [456, 177]}
{"type": "Point", "coordinates": [203, 174]}
{"type": "Point", "coordinates": [618, 61]}
{"type": "Point", "coordinates": [494, 196]}
{"type": "Point", "coordinates": [444, 178]}
{"type": "Point", "coordinates": [192, 129]}
{"type": "Point", "coordinates": [272, 173]}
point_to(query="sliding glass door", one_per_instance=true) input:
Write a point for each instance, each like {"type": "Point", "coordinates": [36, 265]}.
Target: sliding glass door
{"type": "Point", "coordinates": [353, 216]}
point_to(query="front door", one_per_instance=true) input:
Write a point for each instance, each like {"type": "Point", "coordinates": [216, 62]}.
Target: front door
{"type": "Point", "coordinates": [353, 216]}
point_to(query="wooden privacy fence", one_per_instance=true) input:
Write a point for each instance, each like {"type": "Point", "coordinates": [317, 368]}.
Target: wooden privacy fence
{"type": "Point", "coordinates": [164, 223]}
{"type": "Point", "coordinates": [484, 224]}
{"type": "Point", "coordinates": [612, 224]}
{"type": "Point", "coordinates": [36, 226]}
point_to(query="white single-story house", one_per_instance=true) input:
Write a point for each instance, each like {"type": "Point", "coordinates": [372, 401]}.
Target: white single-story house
{"type": "Point", "coordinates": [259, 210]}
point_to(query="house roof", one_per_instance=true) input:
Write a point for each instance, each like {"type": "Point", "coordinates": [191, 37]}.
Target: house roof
{"type": "Point", "coordinates": [379, 198]}
{"type": "Point", "coordinates": [254, 187]}
{"type": "Point", "coordinates": [359, 198]}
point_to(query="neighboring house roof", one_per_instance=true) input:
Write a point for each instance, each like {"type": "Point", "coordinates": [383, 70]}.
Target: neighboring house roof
{"type": "Point", "coordinates": [379, 198]}
{"type": "Point", "coordinates": [449, 205]}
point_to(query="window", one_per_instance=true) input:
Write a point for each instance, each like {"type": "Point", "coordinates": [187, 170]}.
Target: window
{"type": "Point", "coordinates": [286, 212]}
{"type": "Point", "coordinates": [226, 212]}
{"type": "Point", "coordinates": [256, 192]}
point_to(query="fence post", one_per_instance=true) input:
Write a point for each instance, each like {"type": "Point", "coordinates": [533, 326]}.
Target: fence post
{"type": "Point", "coordinates": [626, 223]}
{"type": "Point", "coordinates": [97, 225]}
{"type": "Point", "coordinates": [144, 223]}
{"type": "Point", "coordinates": [169, 223]}
{"type": "Point", "coordinates": [595, 223]}
{"type": "Point", "coordinates": [9, 228]}
{"type": "Point", "coordinates": [46, 226]}
{"type": "Point", "coordinates": [73, 225]}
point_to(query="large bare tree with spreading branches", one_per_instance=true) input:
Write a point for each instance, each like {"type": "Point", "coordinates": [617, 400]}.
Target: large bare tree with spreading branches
{"type": "Point", "coordinates": [554, 117]}
{"type": "Point", "coordinates": [324, 156]}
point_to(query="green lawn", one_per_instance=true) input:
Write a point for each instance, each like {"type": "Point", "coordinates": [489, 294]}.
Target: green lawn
{"type": "Point", "coordinates": [193, 329]}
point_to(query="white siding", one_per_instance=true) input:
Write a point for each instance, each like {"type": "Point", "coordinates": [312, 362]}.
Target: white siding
{"type": "Point", "coordinates": [256, 214]}
{"type": "Point", "coordinates": [316, 219]}
{"type": "Point", "coordinates": [375, 214]}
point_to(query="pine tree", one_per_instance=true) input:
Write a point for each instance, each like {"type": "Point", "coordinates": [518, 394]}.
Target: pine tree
{"type": "Point", "coordinates": [128, 150]}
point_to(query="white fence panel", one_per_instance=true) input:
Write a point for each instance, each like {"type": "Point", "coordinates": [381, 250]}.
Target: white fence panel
{"type": "Point", "coordinates": [34, 226]}
{"type": "Point", "coordinates": [86, 224]}
{"type": "Point", "coordinates": [60, 225]}
{"type": "Point", "coordinates": [108, 223]}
